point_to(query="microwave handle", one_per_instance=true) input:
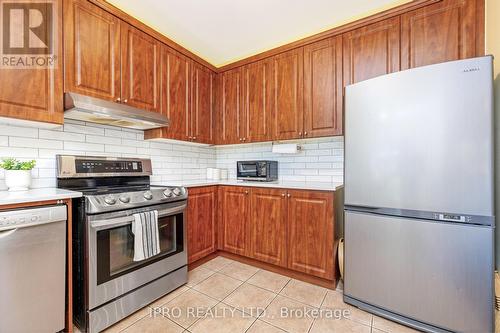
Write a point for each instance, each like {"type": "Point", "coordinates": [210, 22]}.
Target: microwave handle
{"type": "Point", "coordinates": [124, 220]}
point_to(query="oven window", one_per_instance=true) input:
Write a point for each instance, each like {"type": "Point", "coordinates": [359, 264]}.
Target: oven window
{"type": "Point", "coordinates": [115, 248]}
{"type": "Point", "coordinates": [248, 169]}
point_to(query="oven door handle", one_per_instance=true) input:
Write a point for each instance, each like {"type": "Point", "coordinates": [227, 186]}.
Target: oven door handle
{"type": "Point", "coordinates": [120, 221]}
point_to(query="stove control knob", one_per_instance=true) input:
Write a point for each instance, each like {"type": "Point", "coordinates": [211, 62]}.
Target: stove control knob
{"type": "Point", "coordinates": [148, 195]}
{"type": "Point", "coordinates": [109, 200]}
{"type": "Point", "coordinates": [168, 193]}
{"type": "Point", "coordinates": [124, 199]}
{"type": "Point", "coordinates": [177, 191]}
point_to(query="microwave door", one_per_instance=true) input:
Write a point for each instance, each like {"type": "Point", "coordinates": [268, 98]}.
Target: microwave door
{"type": "Point", "coordinates": [247, 170]}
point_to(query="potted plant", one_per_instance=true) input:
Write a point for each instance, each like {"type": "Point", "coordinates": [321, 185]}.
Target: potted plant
{"type": "Point", "coordinates": [17, 173]}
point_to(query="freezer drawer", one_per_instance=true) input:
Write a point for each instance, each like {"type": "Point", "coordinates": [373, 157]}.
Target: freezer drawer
{"type": "Point", "coordinates": [436, 273]}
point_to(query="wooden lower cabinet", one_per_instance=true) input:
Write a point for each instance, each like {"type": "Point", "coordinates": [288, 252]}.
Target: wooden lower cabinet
{"type": "Point", "coordinates": [310, 233]}
{"type": "Point", "coordinates": [288, 228]}
{"type": "Point", "coordinates": [235, 206]}
{"type": "Point", "coordinates": [268, 225]}
{"type": "Point", "coordinates": [201, 222]}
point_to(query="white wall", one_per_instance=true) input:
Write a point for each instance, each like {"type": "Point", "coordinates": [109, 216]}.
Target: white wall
{"type": "Point", "coordinates": [170, 161]}
{"type": "Point", "coordinates": [321, 159]}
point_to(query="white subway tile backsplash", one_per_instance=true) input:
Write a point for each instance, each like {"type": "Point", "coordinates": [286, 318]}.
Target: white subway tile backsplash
{"type": "Point", "coordinates": [320, 159]}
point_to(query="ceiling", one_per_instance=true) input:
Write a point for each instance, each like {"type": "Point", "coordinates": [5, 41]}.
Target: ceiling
{"type": "Point", "coordinates": [224, 31]}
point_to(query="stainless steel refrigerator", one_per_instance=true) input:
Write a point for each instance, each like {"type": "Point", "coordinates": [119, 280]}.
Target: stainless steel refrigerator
{"type": "Point", "coordinates": [419, 212]}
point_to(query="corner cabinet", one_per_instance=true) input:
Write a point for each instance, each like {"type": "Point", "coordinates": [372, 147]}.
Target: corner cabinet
{"type": "Point", "coordinates": [201, 222]}
{"type": "Point", "coordinates": [35, 94]}
{"type": "Point", "coordinates": [202, 104]}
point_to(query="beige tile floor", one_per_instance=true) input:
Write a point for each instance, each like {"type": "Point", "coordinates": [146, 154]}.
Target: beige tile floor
{"type": "Point", "coordinates": [232, 297]}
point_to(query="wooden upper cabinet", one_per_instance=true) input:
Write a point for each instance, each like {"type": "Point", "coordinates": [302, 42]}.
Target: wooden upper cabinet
{"type": "Point", "coordinates": [445, 31]}
{"type": "Point", "coordinates": [258, 101]}
{"type": "Point", "coordinates": [311, 233]}
{"type": "Point", "coordinates": [92, 51]}
{"type": "Point", "coordinates": [371, 51]}
{"type": "Point", "coordinates": [268, 225]}
{"type": "Point", "coordinates": [201, 222]}
{"type": "Point", "coordinates": [288, 99]}
{"type": "Point", "coordinates": [35, 94]}
{"type": "Point", "coordinates": [174, 74]}
{"type": "Point", "coordinates": [235, 208]}
{"type": "Point", "coordinates": [202, 104]}
{"type": "Point", "coordinates": [140, 69]}
{"type": "Point", "coordinates": [323, 88]}
{"type": "Point", "coordinates": [231, 106]}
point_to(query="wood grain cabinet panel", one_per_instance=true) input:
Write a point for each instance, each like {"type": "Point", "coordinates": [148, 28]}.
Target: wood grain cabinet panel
{"type": "Point", "coordinates": [288, 98]}
{"type": "Point", "coordinates": [174, 74]}
{"type": "Point", "coordinates": [371, 51]}
{"type": "Point", "coordinates": [234, 218]}
{"type": "Point", "coordinates": [258, 101]}
{"type": "Point", "coordinates": [140, 69]}
{"type": "Point", "coordinates": [445, 31]}
{"type": "Point", "coordinates": [310, 233]}
{"type": "Point", "coordinates": [268, 225]}
{"type": "Point", "coordinates": [201, 222]}
{"type": "Point", "coordinates": [202, 104]}
{"type": "Point", "coordinates": [35, 94]}
{"type": "Point", "coordinates": [92, 51]}
{"type": "Point", "coordinates": [323, 88]}
{"type": "Point", "coordinates": [231, 105]}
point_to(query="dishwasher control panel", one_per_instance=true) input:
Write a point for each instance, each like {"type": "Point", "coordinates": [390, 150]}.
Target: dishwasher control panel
{"type": "Point", "coordinates": [31, 216]}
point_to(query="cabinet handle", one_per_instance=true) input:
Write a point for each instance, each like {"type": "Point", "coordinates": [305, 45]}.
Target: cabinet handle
{"type": "Point", "coordinates": [190, 138]}
{"type": "Point", "coordinates": [194, 138]}
{"type": "Point", "coordinates": [125, 100]}
{"type": "Point", "coordinates": [118, 99]}
{"type": "Point", "coordinates": [244, 139]}
{"type": "Point", "coordinates": [241, 139]}
{"type": "Point", "coordinates": [246, 192]}
{"type": "Point", "coordinates": [305, 133]}
{"type": "Point", "coordinates": [300, 133]}
{"type": "Point", "coordinates": [289, 195]}
{"type": "Point", "coordinates": [283, 194]}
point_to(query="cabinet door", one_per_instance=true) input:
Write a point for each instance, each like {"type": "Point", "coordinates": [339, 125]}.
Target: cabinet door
{"type": "Point", "coordinates": [445, 31]}
{"type": "Point", "coordinates": [371, 51]}
{"type": "Point", "coordinates": [201, 218]}
{"type": "Point", "coordinates": [174, 69]}
{"type": "Point", "coordinates": [140, 69]}
{"type": "Point", "coordinates": [231, 97]}
{"type": "Point", "coordinates": [35, 94]}
{"type": "Point", "coordinates": [268, 225]}
{"type": "Point", "coordinates": [258, 101]}
{"type": "Point", "coordinates": [288, 86]}
{"type": "Point", "coordinates": [91, 51]}
{"type": "Point", "coordinates": [202, 104]}
{"type": "Point", "coordinates": [310, 233]}
{"type": "Point", "coordinates": [235, 209]}
{"type": "Point", "coordinates": [323, 88]}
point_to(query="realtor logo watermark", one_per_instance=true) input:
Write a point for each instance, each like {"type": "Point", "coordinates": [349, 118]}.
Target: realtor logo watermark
{"type": "Point", "coordinates": [28, 34]}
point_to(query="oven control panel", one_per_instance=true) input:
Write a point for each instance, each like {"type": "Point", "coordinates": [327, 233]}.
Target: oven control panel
{"type": "Point", "coordinates": [100, 166]}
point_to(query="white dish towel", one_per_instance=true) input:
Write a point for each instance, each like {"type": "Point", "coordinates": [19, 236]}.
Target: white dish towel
{"type": "Point", "coordinates": [146, 235]}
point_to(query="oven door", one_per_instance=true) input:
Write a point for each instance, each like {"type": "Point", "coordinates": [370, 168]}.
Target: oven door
{"type": "Point", "coordinates": [111, 269]}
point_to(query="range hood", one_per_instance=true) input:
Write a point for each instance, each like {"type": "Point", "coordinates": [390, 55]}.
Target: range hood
{"type": "Point", "coordinates": [95, 110]}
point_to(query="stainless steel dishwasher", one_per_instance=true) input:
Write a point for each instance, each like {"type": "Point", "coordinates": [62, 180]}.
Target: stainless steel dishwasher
{"type": "Point", "coordinates": [32, 269]}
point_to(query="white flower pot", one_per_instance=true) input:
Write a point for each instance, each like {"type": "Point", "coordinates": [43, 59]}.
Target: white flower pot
{"type": "Point", "coordinates": [18, 180]}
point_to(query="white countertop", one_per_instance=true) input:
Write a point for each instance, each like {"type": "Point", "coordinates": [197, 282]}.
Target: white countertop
{"type": "Point", "coordinates": [33, 195]}
{"type": "Point", "coordinates": [279, 184]}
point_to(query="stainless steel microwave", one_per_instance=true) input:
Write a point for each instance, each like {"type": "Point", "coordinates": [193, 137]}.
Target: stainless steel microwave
{"type": "Point", "coordinates": [264, 171]}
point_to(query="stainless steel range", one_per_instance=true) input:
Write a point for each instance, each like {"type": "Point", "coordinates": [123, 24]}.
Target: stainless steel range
{"type": "Point", "coordinates": [108, 284]}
